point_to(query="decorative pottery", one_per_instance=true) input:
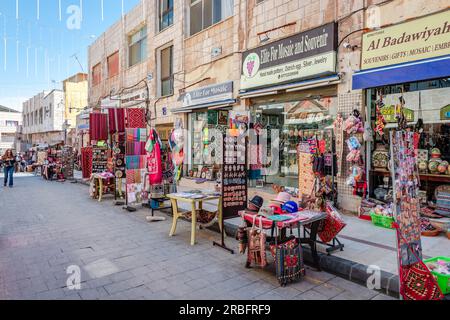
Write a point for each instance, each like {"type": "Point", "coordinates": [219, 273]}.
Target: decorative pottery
{"type": "Point", "coordinates": [433, 166]}
{"type": "Point", "coordinates": [436, 153]}
{"type": "Point", "coordinates": [443, 167]}
{"type": "Point", "coordinates": [380, 158]}
{"type": "Point", "coordinates": [423, 166]}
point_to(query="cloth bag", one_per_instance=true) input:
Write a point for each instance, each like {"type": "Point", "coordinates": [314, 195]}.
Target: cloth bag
{"type": "Point", "coordinates": [256, 253]}
{"type": "Point", "coordinates": [289, 262]}
{"type": "Point", "coordinates": [416, 281]}
{"type": "Point", "coordinates": [332, 225]}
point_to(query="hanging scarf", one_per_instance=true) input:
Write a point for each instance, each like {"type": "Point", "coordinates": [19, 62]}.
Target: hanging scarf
{"type": "Point", "coordinates": [98, 126]}
{"type": "Point", "coordinates": [339, 134]}
{"type": "Point", "coordinates": [154, 160]}
{"type": "Point", "coordinates": [116, 120]}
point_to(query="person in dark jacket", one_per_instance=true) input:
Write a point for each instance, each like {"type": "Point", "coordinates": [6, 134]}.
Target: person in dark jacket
{"type": "Point", "coordinates": [9, 161]}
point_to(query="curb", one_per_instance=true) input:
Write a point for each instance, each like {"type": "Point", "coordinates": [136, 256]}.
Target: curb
{"type": "Point", "coordinates": [346, 269]}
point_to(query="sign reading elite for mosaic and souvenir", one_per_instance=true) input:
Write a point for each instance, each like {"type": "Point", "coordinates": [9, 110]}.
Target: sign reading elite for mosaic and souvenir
{"type": "Point", "coordinates": [304, 55]}
{"type": "Point", "coordinates": [415, 40]}
{"type": "Point", "coordinates": [234, 176]}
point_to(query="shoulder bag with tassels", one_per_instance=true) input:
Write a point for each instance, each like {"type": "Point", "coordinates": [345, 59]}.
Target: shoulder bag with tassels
{"type": "Point", "coordinates": [256, 254]}
{"type": "Point", "coordinates": [416, 281]}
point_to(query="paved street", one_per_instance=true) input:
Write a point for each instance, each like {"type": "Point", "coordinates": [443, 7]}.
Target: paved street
{"type": "Point", "coordinates": [46, 227]}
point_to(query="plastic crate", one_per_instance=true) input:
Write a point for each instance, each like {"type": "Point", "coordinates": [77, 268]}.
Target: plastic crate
{"type": "Point", "coordinates": [382, 221]}
{"type": "Point", "coordinates": [442, 279]}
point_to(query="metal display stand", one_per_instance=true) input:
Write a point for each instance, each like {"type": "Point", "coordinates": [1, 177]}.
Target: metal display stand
{"type": "Point", "coordinates": [336, 244]}
{"type": "Point", "coordinates": [226, 157]}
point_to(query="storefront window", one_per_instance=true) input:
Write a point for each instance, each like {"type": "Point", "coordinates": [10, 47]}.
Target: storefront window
{"type": "Point", "coordinates": [206, 148]}
{"type": "Point", "coordinates": [427, 110]}
{"type": "Point", "coordinates": [296, 121]}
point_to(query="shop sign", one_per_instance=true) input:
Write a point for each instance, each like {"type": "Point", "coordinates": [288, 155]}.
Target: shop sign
{"type": "Point", "coordinates": [134, 98]}
{"type": "Point", "coordinates": [301, 56]}
{"type": "Point", "coordinates": [423, 38]}
{"type": "Point", "coordinates": [390, 115]}
{"type": "Point", "coordinates": [209, 94]}
{"type": "Point", "coordinates": [445, 113]}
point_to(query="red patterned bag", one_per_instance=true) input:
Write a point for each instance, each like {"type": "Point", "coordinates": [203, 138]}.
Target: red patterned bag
{"type": "Point", "coordinates": [416, 281]}
{"type": "Point", "coordinates": [332, 225]}
{"type": "Point", "coordinates": [419, 283]}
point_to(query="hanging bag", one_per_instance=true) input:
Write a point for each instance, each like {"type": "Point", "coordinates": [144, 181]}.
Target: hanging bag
{"type": "Point", "coordinates": [416, 281]}
{"type": "Point", "coordinates": [332, 225]}
{"type": "Point", "coordinates": [256, 254]}
{"type": "Point", "coordinates": [289, 262]}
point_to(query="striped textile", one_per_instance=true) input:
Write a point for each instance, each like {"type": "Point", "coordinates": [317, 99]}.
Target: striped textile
{"type": "Point", "coordinates": [98, 126]}
{"type": "Point", "coordinates": [443, 204]}
{"type": "Point", "coordinates": [116, 120]}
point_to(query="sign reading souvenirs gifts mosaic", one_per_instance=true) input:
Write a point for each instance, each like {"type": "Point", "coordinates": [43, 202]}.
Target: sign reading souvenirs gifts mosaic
{"type": "Point", "coordinates": [234, 176]}
{"type": "Point", "coordinates": [415, 40]}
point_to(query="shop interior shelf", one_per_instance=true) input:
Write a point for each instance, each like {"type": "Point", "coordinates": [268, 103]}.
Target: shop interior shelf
{"type": "Point", "coordinates": [423, 177]}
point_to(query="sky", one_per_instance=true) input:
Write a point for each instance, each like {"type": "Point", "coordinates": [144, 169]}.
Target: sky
{"type": "Point", "coordinates": [43, 42]}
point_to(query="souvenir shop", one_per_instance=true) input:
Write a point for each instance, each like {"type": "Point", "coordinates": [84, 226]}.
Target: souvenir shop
{"type": "Point", "coordinates": [420, 86]}
{"type": "Point", "coordinates": [125, 159]}
{"type": "Point", "coordinates": [208, 111]}
{"type": "Point", "coordinates": [56, 162]}
{"type": "Point", "coordinates": [407, 94]}
{"type": "Point", "coordinates": [291, 88]}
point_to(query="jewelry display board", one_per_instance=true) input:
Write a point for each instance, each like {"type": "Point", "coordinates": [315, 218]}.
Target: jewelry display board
{"type": "Point", "coordinates": [234, 176]}
{"type": "Point", "coordinates": [99, 159]}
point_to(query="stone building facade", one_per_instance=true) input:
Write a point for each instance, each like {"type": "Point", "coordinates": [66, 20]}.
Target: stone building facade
{"type": "Point", "coordinates": [43, 118]}
{"type": "Point", "coordinates": [208, 51]}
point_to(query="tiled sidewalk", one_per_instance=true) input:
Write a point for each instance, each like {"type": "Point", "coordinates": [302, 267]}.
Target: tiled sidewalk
{"type": "Point", "coordinates": [48, 226]}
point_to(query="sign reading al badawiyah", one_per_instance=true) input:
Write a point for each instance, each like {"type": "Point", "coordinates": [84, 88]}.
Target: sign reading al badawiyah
{"type": "Point", "coordinates": [305, 55]}
{"type": "Point", "coordinates": [423, 38]}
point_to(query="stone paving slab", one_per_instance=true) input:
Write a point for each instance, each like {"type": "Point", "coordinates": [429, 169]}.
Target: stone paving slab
{"type": "Point", "coordinates": [47, 227]}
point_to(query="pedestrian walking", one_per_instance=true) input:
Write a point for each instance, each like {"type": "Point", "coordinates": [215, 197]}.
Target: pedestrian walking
{"type": "Point", "coordinates": [8, 167]}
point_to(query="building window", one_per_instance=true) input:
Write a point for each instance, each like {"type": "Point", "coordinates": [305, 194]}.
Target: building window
{"type": "Point", "coordinates": [113, 65]}
{"type": "Point", "coordinates": [165, 14]}
{"type": "Point", "coordinates": [204, 13]}
{"type": "Point", "coordinates": [41, 116]}
{"type": "Point", "coordinates": [96, 74]}
{"type": "Point", "coordinates": [12, 123]}
{"type": "Point", "coordinates": [167, 71]}
{"type": "Point", "coordinates": [137, 46]}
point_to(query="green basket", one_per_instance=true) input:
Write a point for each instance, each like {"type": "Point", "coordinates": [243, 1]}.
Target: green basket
{"type": "Point", "coordinates": [382, 221]}
{"type": "Point", "coordinates": [443, 280]}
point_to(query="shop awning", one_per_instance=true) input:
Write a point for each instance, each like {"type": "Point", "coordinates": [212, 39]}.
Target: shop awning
{"type": "Point", "coordinates": [402, 73]}
{"type": "Point", "coordinates": [291, 87]}
{"type": "Point", "coordinates": [212, 105]}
